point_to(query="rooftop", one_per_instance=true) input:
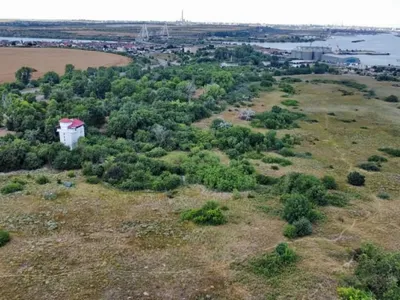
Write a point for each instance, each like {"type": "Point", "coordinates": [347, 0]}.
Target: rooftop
{"type": "Point", "coordinates": [75, 123]}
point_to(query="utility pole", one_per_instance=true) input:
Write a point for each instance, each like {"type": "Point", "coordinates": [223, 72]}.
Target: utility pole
{"type": "Point", "coordinates": [165, 31]}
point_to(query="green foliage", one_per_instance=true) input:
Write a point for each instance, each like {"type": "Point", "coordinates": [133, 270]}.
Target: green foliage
{"type": "Point", "coordinates": [71, 174]}
{"type": "Point", "coordinates": [383, 195]}
{"type": "Point", "coordinates": [24, 75]}
{"type": "Point", "coordinates": [356, 179]}
{"type": "Point", "coordinates": [4, 237]}
{"type": "Point", "coordinates": [351, 293]}
{"type": "Point", "coordinates": [348, 83]}
{"type": "Point", "coordinates": [276, 160]}
{"type": "Point", "coordinates": [337, 199]}
{"type": "Point", "coordinates": [391, 151]}
{"type": "Point", "coordinates": [297, 207]}
{"type": "Point", "coordinates": [205, 168]}
{"type": "Point", "coordinates": [329, 182]}
{"type": "Point", "coordinates": [287, 152]}
{"type": "Point", "coordinates": [272, 264]}
{"type": "Point", "coordinates": [369, 166]}
{"type": "Point", "coordinates": [209, 214]}
{"type": "Point", "coordinates": [266, 180]}
{"type": "Point", "coordinates": [11, 188]}
{"type": "Point", "coordinates": [93, 180]}
{"type": "Point", "coordinates": [287, 88]}
{"type": "Point", "coordinates": [290, 231]}
{"type": "Point", "coordinates": [392, 98]}
{"type": "Point", "coordinates": [156, 152]}
{"type": "Point", "coordinates": [377, 272]}
{"type": "Point", "coordinates": [377, 159]}
{"type": "Point", "coordinates": [290, 102]}
{"type": "Point", "coordinates": [309, 186]}
{"type": "Point", "coordinates": [277, 118]}
{"type": "Point", "coordinates": [42, 180]}
{"type": "Point", "coordinates": [303, 227]}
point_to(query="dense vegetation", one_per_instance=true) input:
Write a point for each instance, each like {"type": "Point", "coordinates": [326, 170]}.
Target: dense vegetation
{"type": "Point", "coordinates": [209, 214]}
{"type": "Point", "coordinates": [377, 274]}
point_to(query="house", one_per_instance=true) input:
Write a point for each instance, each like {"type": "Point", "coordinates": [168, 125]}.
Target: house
{"type": "Point", "coordinates": [70, 131]}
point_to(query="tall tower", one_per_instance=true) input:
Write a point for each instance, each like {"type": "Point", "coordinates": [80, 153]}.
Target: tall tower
{"type": "Point", "coordinates": [182, 18]}
{"type": "Point", "coordinates": [144, 33]}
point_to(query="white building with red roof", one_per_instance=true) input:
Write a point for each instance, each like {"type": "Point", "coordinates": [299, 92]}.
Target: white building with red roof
{"type": "Point", "coordinates": [70, 131]}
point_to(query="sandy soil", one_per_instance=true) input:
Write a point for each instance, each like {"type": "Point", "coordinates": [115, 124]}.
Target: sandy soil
{"type": "Point", "coordinates": [49, 59]}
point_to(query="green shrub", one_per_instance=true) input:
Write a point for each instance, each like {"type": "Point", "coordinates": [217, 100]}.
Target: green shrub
{"type": "Point", "coordinates": [329, 182]}
{"type": "Point", "coordinates": [391, 151]}
{"type": "Point", "coordinates": [391, 98]}
{"type": "Point", "coordinates": [156, 152]}
{"type": "Point", "coordinates": [290, 231]}
{"type": "Point", "coordinates": [307, 185]}
{"type": "Point", "coordinates": [287, 152]}
{"type": "Point", "coordinates": [296, 207]}
{"type": "Point", "coordinates": [42, 180]}
{"type": "Point", "coordinates": [12, 188]}
{"type": "Point", "coordinates": [266, 180]}
{"type": "Point", "coordinates": [236, 195]}
{"type": "Point", "coordinates": [166, 181]}
{"type": "Point", "coordinates": [4, 237]}
{"type": "Point", "coordinates": [71, 174]}
{"type": "Point", "coordinates": [290, 102]}
{"type": "Point", "coordinates": [351, 293]}
{"type": "Point", "coordinates": [93, 180]}
{"type": "Point", "coordinates": [383, 195]}
{"type": "Point", "coordinates": [275, 263]}
{"type": "Point", "coordinates": [254, 155]}
{"type": "Point", "coordinates": [209, 214]}
{"type": "Point", "coordinates": [277, 118]}
{"type": "Point", "coordinates": [377, 272]}
{"type": "Point", "coordinates": [276, 160]}
{"type": "Point", "coordinates": [337, 199]}
{"type": "Point", "coordinates": [377, 159]}
{"type": "Point", "coordinates": [369, 166]}
{"type": "Point", "coordinates": [276, 168]}
{"type": "Point", "coordinates": [303, 227]}
{"type": "Point", "coordinates": [356, 179]}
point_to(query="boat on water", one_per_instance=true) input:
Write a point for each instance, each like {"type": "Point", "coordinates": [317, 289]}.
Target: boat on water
{"type": "Point", "coordinates": [358, 41]}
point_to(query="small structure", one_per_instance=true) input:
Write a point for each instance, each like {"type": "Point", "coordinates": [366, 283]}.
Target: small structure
{"type": "Point", "coordinates": [340, 59]}
{"type": "Point", "coordinates": [70, 131]}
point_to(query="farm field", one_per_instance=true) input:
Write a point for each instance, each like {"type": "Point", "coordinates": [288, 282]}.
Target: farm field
{"type": "Point", "coordinates": [49, 59]}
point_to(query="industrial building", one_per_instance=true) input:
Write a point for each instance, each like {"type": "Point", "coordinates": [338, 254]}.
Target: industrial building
{"type": "Point", "coordinates": [340, 59]}
{"type": "Point", "coordinates": [310, 53]}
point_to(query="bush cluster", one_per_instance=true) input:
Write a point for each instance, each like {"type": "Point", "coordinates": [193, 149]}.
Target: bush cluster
{"type": "Point", "coordinates": [356, 179]}
{"type": "Point", "coordinates": [209, 214]}
{"type": "Point", "coordinates": [42, 180]}
{"type": "Point", "coordinates": [300, 228]}
{"type": "Point", "coordinates": [370, 166]}
{"type": "Point", "coordinates": [391, 151]}
{"type": "Point", "coordinates": [329, 182]}
{"type": "Point", "coordinates": [377, 274]}
{"type": "Point", "coordinates": [276, 160]}
{"type": "Point", "coordinates": [11, 188]}
{"type": "Point", "coordinates": [277, 118]}
{"type": "Point", "coordinates": [4, 237]}
{"type": "Point", "coordinates": [275, 263]}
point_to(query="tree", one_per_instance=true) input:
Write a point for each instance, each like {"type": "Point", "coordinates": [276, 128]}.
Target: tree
{"type": "Point", "coordinates": [46, 90]}
{"type": "Point", "coordinates": [24, 74]}
{"type": "Point", "coordinates": [51, 78]}
{"type": "Point", "coordinates": [296, 207]}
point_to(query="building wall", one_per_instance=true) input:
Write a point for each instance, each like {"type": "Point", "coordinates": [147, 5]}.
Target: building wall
{"type": "Point", "coordinates": [70, 137]}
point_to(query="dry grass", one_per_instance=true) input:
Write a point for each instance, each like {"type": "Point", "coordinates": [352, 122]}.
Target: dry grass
{"type": "Point", "coordinates": [49, 59]}
{"type": "Point", "coordinates": [115, 245]}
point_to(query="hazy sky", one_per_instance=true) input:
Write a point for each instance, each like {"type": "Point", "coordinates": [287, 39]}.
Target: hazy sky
{"type": "Point", "coordinates": [347, 12]}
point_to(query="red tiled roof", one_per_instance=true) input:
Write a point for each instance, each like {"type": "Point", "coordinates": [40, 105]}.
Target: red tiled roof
{"type": "Point", "coordinates": [75, 123]}
{"type": "Point", "coordinates": [65, 120]}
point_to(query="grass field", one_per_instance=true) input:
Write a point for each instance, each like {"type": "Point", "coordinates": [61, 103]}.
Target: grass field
{"type": "Point", "coordinates": [94, 242]}
{"type": "Point", "coordinates": [50, 59]}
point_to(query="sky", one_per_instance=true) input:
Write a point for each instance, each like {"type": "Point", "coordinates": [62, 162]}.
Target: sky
{"type": "Point", "coordinates": [382, 13]}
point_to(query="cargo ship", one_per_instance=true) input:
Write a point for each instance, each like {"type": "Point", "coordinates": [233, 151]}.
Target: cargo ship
{"type": "Point", "coordinates": [358, 41]}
